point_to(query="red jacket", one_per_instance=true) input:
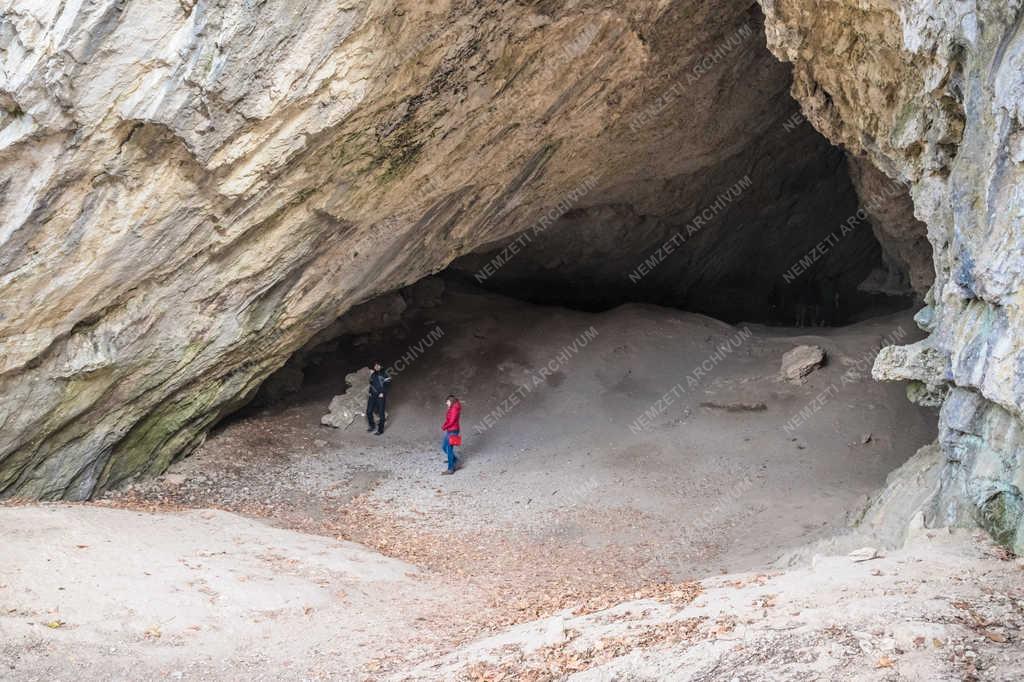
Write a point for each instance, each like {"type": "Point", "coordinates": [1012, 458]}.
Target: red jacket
{"type": "Point", "coordinates": [451, 420]}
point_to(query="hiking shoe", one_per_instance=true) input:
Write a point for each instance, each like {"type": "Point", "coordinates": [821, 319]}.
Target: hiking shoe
{"type": "Point", "coordinates": [447, 472]}
{"type": "Point", "coordinates": [370, 429]}
{"type": "Point", "coordinates": [378, 433]}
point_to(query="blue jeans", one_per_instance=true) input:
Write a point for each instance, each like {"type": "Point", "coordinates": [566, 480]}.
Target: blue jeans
{"type": "Point", "coordinates": [449, 450]}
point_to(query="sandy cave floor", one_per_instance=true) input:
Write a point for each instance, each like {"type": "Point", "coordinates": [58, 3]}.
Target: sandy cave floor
{"type": "Point", "coordinates": [560, 504]}
{"type": "Point", "coordinates": [706, 487]}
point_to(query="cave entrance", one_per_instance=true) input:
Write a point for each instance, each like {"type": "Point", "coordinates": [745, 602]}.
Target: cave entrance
{"type": "Point", "coordinates": [627, 411]}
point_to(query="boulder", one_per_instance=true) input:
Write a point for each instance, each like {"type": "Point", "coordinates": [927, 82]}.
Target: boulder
{"type": "Point", "coordinates": [801, 361]}
{"type": "Point", "coordinates": [864, 554]}
{"type": "Point", "coordinates": [344, 408]}
{"type": "Point", "coordinates": [924, 366]}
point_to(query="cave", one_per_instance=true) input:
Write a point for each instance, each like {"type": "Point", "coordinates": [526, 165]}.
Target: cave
{"type": "Point", "coordinates": [726, 294]}
{"type": "Point", "coordinates": [650, 330]}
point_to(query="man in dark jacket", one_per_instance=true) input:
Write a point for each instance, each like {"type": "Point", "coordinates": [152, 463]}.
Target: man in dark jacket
{"type": "Point", "coordinates": [380, 382]}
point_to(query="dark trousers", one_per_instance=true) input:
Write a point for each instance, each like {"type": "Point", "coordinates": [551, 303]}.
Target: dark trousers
{"type": "Point", "coordinates": [375, 403]}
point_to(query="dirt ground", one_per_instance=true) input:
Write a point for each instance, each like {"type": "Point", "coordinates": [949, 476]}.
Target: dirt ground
{"type": "Point", "coordinates": [945, 607]}
{"type": "Point", "coordinates": [607, 457]}
{"type": "Point", "coordinates": [96, 593]}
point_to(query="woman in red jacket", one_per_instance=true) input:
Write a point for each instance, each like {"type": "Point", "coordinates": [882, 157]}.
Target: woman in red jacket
{"type": "Point", "coordinates": [451, 428]}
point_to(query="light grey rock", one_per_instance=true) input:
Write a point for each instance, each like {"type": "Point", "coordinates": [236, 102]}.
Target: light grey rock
{"type": "Point", "coordinates": [984, 471]}
{"type": "Point", "coordinates": [340, 413]}
{"type": "Point", "coordinates": [925, 367]}
{"type": "Point", "coordinates": [801, 361]}
{"type": "Point", "coordinates": [350, 405]}
{"type": "Point", "coordinates": [864, 554]}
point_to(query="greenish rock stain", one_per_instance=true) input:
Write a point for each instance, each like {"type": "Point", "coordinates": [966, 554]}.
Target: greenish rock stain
{"type": "Point", "coordinates": [172, 423]}
{"type": "Point", "coordinates": [1002, 515]}
{"type": "Point", "coordinates": [175, 428]}
{"type": "Point", "coordinates": [400, 157]}
{"type": "Point", "coordinates": [919, 393]}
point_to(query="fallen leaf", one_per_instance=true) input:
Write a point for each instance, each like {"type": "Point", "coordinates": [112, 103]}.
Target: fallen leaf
{"type": "Point", "coordinates": [885, 662]}
{"type": "Point", "coordinates": [54, 624]}
{"type": "Point", "coordinates": [995, 636]}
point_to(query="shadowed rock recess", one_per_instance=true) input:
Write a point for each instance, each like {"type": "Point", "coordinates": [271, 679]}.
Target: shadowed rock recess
{"type": "Point", "coordinates": [190, 192]}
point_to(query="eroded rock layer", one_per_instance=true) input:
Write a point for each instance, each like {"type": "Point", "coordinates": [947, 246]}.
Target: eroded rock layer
{"type": "Point", "coordinates": [931, 92]}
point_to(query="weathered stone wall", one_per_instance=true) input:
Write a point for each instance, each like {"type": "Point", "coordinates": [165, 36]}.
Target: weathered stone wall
{"type": "Point", "coordinates": [931, 92]}
{"type": "Point", "coordinates": [907, 254]}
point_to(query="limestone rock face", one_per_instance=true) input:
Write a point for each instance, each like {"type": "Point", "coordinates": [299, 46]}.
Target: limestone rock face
{"type": "Point", "coordinates": [932, 92]}
{"type": "Point", "coordinates": [907, 255]}
{"type": "Point", "coordinates": [190, 191]}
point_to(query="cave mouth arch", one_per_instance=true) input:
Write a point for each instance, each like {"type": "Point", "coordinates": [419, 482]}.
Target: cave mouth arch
{"type": "Point", "coordinates": [739, 208]}
{"type": "Point", "coordinates": [695, 280]}
{"type": "Point", "coordinates": [697, 265]}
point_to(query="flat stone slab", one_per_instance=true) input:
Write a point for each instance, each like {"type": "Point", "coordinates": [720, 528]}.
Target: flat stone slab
{"type": "Point", "coordinates": [801, 361]}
